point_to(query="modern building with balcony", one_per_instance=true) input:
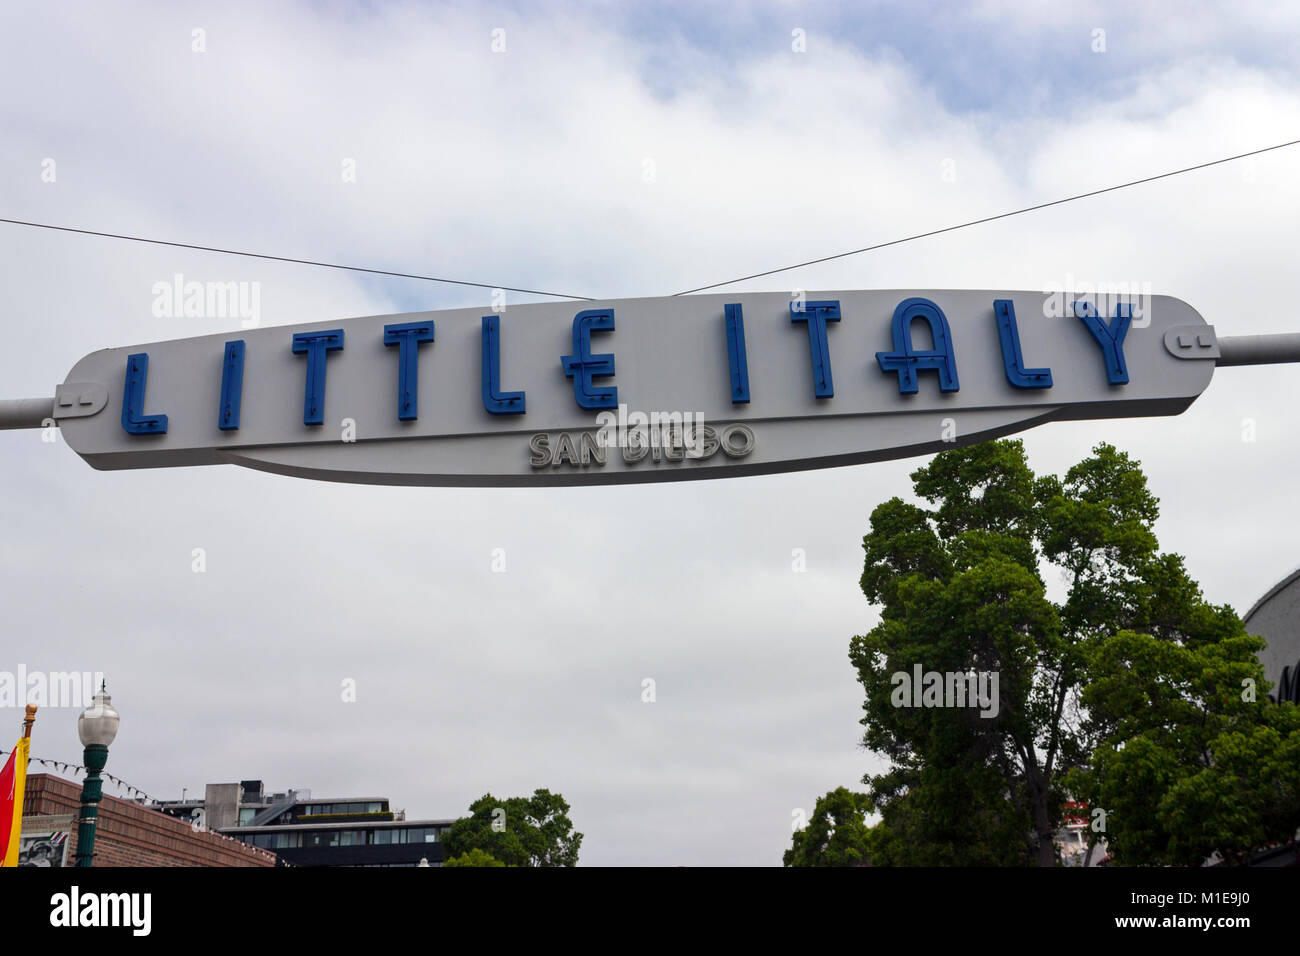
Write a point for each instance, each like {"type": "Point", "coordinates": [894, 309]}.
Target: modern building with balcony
{"type": "Point", "coordinates": [307, 831]}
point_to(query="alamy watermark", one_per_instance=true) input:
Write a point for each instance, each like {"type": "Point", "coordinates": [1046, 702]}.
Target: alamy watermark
{"type": "Point", "coordinates": [1105, 297]}
{"type": "Point", "coordinates": [947, 689]}
{"type": "Point", "coordinates": [208, 300]}
{"type": "Point", "coordinates": [682, 432]}
{"type": "Point", "coordinates": [48, 688]}
{"type": "Point", "coordinates": [129, 910]}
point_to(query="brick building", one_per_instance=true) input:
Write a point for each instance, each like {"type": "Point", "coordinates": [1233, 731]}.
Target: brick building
{"type": "Point", "coordinates": [127, 833]}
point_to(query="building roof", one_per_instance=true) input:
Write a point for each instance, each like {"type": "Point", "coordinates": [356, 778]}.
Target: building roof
{"type": "Point", "coordinates": [307, 824]}
{"type": "Point", "coordinates": [342, 800]}
{"type": "Point", "coordinates": [1272, 592]}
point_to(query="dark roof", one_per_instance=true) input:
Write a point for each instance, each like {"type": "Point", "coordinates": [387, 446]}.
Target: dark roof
{"type": "Point", "coordinates": [353, 825]}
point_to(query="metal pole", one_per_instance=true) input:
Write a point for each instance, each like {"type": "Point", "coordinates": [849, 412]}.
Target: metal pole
{"type": "Point", "coordinates": [26, 412]}
{"type": "Point", "coordinates": [96, 756]}
{"type": "Point", "coordinates": [1259, 349]}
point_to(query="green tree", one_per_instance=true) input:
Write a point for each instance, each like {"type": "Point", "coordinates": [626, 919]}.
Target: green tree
{"type": "Point", "coordinates": [1088, 685]}
{"type": "Point", "coordinates": [837, 834]}
{"type": "Point", "coordinates": [474, 857]}
{"type": "Point", "coordinates": [1248, 795]}
{"type": "Point", "coordinates": [518, 831]}
{"type": "Point", "coordinates": [1191, 759]}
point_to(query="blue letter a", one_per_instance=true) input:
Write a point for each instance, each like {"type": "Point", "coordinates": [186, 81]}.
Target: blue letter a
{"type": "Point", "coordinates": [907, 361]}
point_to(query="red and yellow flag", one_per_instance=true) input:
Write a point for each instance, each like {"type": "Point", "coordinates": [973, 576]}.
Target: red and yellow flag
{"type": "Point", "coordinates": [13, 779]}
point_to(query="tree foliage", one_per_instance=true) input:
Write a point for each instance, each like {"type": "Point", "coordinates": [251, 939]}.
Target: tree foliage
{"type": "Point", "coordinates": [518, 831]}
{"type": "Point", "coordinates": [1188, 763]}
{"type": "Point", "coordinates": [836, 835]}
{"type": "Point", "coordinates": [474, 857]}
{"type": "Point", "coordinates": [1126, 691]}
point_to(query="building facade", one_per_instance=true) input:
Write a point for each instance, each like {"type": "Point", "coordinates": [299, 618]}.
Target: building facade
{"type": "Point", "coordinates": [306, 831]}
{"type": "Point", "coordinates": [1276, 618]}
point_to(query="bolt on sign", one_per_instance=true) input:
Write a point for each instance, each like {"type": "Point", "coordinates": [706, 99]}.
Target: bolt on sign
{"type": "Point", "coordinates": [629, 390]}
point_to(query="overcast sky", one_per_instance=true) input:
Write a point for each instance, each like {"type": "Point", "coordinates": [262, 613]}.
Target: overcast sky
{"type": "Point", "coordinates": [526, 167]}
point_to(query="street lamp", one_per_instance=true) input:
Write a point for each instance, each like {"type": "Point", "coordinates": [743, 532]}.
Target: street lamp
{"type": "Point", "coordinates": [97, 726]}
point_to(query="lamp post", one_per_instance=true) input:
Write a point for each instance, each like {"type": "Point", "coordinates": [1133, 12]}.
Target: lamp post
{"type": "Point", "coordinates": [97, 726]}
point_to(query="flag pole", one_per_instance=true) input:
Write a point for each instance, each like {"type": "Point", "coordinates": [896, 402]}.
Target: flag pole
{"type": "Point", "coordinates": [16, 784]}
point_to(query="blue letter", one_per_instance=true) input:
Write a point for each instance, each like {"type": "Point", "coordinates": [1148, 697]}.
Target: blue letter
{"type": "Point", "coordinates": [817, 314]}
{"type": "Point", "coordinates": [134, 420]}
{"type": "Point", "coordinates": [407, 338]}
{"type": "Point", "coordinates": [1012, 360]}
{"type": "Point", "coordinates": [316, 345]}
{"type": "Point", "coordinates": [582, 366]}
{"type": "Point", "coordinates": [906, 361]}
{"type": "Point", "coordinates": [498, 403]}
{"type": "Point", "coordinates": [736, 357]}
{"type": "Point", "coordinates": [232, 386]}
{"type": "Point", "coordinates": [1111, 339]}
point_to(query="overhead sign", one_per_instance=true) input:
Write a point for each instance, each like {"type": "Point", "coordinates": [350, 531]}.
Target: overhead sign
{"type": "Point", "coordinates": [628, 390]}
